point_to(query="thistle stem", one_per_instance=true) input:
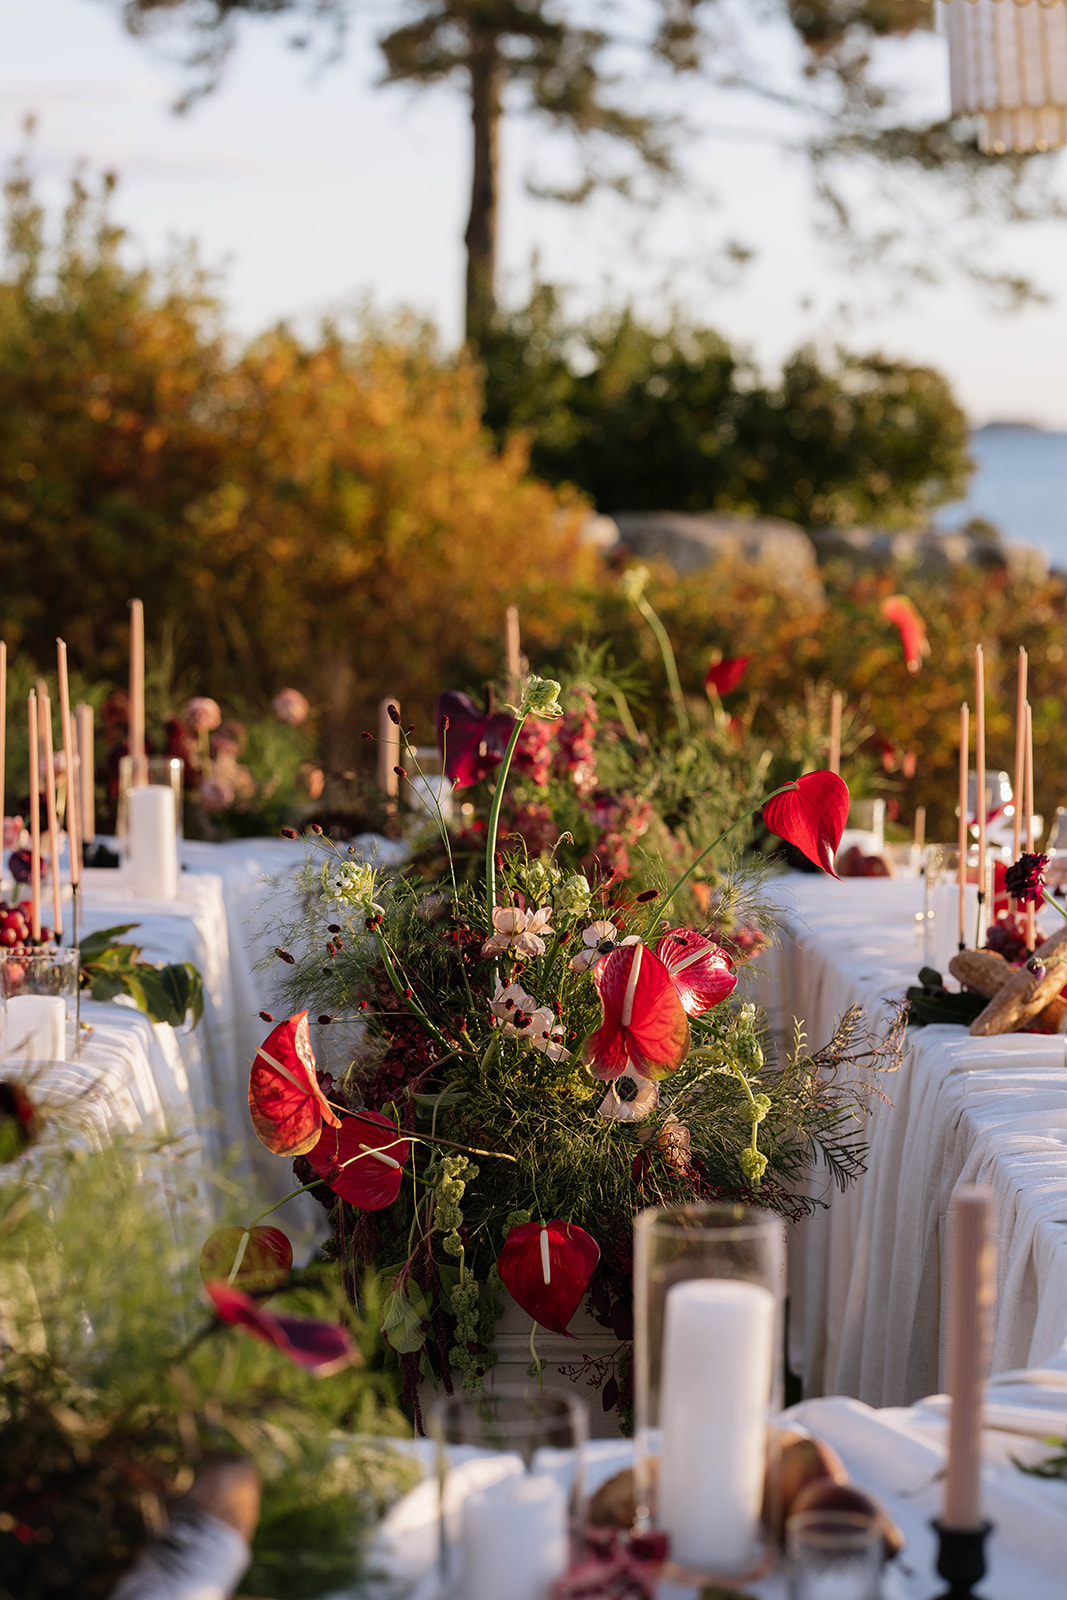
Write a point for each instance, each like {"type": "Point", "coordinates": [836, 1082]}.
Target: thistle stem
{"type": "Point", "coordinates": [669, 662]}
{"type": "Point", "coordinates": [494, 818]}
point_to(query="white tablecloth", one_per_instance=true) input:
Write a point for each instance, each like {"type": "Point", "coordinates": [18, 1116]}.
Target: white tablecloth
{"type": "Point", "coordinates": [866, 1275]}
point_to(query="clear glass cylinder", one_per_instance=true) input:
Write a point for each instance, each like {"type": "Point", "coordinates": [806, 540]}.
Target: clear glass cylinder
{"type": "Point", "coordinates": [709, 1297]}
{"type": "Point", "coordinates": [39, 1004]}
{"type": "Point", "coordinates": [834, 1555]}
{"type": "Point", "coordinates": [512, 1506]}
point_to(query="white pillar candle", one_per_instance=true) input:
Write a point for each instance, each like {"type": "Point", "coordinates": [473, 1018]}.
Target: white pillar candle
{"type": "Point", "coordinates": [514, 1539]}
{"type": "Point", "coordinates": [35, 1028]}
{"type": "Point", "coordinates": [153, 842]}
{"type": "Point", "coordinates": [718, 1357]}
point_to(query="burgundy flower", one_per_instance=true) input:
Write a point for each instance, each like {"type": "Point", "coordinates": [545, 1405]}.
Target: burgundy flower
{"type": "Point", "coordinates": [811, 814]}
{"type": "Point", "coordinates": [1025, 879]}
{"type": "Point", "coordinates": [475, 741]}
{"type": "Point", "coordinates": [362, 1159]}
{"type": "Point", "coordinates": [644, 1022]}
{"type": "Point", "coordinates": [725, 675]}
{"type": "Point", "coordinates": [320, 1346]}
{"type": "Point", "coordinates": [546, 1267]}
{"type": "Point", "coordinates": [287, 1106]}
{"type": "Point", "coordinates": [701, 972]}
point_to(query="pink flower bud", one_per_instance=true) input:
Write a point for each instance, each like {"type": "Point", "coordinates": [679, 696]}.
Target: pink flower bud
{"type": "Point", "coordinates": [290, 707]}
{"type": "Point", "coordinates": [202, 714]}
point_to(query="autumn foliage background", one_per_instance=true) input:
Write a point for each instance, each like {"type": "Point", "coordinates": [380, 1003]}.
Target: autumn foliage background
{"type": "Point", "coordinates": [351, 512]}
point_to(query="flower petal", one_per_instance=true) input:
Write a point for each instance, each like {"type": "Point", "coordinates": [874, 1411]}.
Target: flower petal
{"type": "Point", "coordinates": [286, 1104]}
{"type": "Point", "coordinates": [474, 743]}
{"type": "Point", "coordinates": [644, 1021]}
{"type": "Point", "coordinates": [811, 815]}
{"type": "Point", "coordinates": [363, 1160]}
{"type": "Point", "coordinates": [900, 611]}
{"type": "Point", "coordinates": [263, 1255]}
{"type": "Point", "coordinates": [701, 972]}
{"type": "Point", "coordinates": [320, 1346]}
{"type": "Point", "coordinates": [725, 676]}
{"type": "Point", "coordinates": [546, 1267]}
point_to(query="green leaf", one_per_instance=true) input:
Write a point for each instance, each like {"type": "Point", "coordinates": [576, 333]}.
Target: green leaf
{"type": "Point", "coordinates": [447, 1097]}
{"type": "Point", "coordinates": [96, 943]}
{"type": "Point", "coordinates": [405, 1311]}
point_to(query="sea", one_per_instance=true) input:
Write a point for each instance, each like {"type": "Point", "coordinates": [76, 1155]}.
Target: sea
{"type": "Point", "coordinates": [1020, 485]}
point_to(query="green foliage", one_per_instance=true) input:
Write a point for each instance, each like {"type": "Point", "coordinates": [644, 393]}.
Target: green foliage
{"type": "Point", "coordinates": [166, 993]}
{"type": "Point", "coordinates": [117, 1384]}
{"type": "Point", "coordinates": [672, 419]}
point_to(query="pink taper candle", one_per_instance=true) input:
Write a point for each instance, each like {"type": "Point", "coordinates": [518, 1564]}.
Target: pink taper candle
{"type": "Point", "coordinates": [836, 704]}
{"type": "Point", "coordinates": [965, 737]}
{"type": "Point", "coordinates": [1028, 801]}
{"type": "Point", "coordinates": [87, 772]}
{"type": "Point", "coordinates": [513, 654]}
{"type": "Point", "coordinates": [71, 767]}
{"type": "Point", "coordinates": [1020, 755]}
{"type": "Point", "coordinates": [3, 731]}
{"type": "Point", "coordinates": [971, 1289]}
{"type": "Point", "coordinates": [982, 805]}
{"type": "Point", "coordinates": [388, 748]}
{"type": "Point", "coordinates": [35, 821]}
{"type": "Point", "coordinates": [44, 712]}
{"type": "Point", "coordinates": [136, 714]}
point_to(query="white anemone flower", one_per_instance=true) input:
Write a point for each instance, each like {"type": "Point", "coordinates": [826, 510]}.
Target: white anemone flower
{"type": "Point", "coordinates": [518, 931]}
{"type": "Point", "coordinates": [599, 939]}
{"type": "Point", "coordinates": [523, 1018]}
{"type": "Point", "coordinates": [613, 1108]}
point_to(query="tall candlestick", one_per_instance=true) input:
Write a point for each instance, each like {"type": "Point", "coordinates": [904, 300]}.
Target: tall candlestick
{"type": "Point", "coordinates": [836, 703]}
{"type": "Point", "coordinates": [44, 712]}
{"type": "Point", "coordinates": [3, 731]}
{"type": "Point", "coordinates": [965, 737]}
{"type": "Point", "coordinates": [388, 749]}
{"type": "Point", "coordinates": [971, 1290]}
{"type": "Point", "coordinates": [1028, 801]}
{"type": "Point", "coordinates": [70, 761]}
{"type": "Point", "coordinates": [709, 1499]}
{"type": "Point", "coordinates": [513, 656]}
{"type": "Point", "coordinates": [86, 772]}
{"type": "Point", "coordinates": [920, 826]}
{"type": "Point", "coordinates": [136, 715]}
{"type": "Point", "coordinates": [1020, 754]}
{"type": "Point", "coordinates": [35, 821]}
{"type": "Point", "coordinates": [979, 774]}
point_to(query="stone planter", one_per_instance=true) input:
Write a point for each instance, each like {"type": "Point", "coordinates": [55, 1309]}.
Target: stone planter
{"type": "Point", "coordinates": [583, 1364]}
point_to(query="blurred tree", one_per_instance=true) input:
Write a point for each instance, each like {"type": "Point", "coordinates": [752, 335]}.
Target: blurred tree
{"type": "Point", "coordinates": [597, 72]}
{"type": "Point", "coordinates": [646, 418]}
{"type": "Point", "coordinates": [328, 513]}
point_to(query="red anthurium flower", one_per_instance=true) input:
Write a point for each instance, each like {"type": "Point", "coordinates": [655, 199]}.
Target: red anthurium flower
{"type": "Point", "coordinates": [811, 814]}
{"type": "Point", "coordinates": [702, 973]}
{"type": "Point", "coordinates": [644, 1024]}
{"type": "Point", "coordinates": [474, 742]}
{"type": "Point", "coordinates": [363, 1160]}
{"type": "Point", "coordinates": [899, 610]}
{"type": "Point", "coordinates": [288, 1107]}
{"type": "Point", "coordinates": [725, 676]}
{"type": "Point", "coordinates": [546, 1267]}
{"type": "Point", "coordinates": [257, 1258]}
{"type": "Point", "coordinates": [322, 1347]}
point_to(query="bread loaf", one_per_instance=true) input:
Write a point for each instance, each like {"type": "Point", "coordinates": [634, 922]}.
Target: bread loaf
{"type": "Point", "coordinates": [1024, 995]}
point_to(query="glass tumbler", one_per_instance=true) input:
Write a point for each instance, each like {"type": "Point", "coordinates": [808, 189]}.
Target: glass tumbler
{"type": "Point", "coordinates": [708, 1341]}
{"type": "Point", "coordinates": [511, 1475]}
{"type": "Point", "coordinates": [834, 1555]}
{"type": "Point", "coordinates": [39, 1004]}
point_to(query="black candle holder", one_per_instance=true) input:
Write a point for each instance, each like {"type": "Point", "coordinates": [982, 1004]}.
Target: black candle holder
{"type": "Point", "coordinates": [961, 1559]}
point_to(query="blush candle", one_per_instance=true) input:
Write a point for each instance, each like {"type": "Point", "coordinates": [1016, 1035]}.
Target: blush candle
{"type": "Point", "coordinates": [718, 1355]}
{"type": "Point", "coordinates": [388, 749]}
{"type": "Point", "coordinates": [963, 836]}
{"type": "Point", "coordinates": [44, 712]}
{"type": "Point", "coordinates": [35, 820]}
{"type": "Point", "coordinates": [981, 803]}
{"type": "Point", "coordinates": [70, 763]}
{"type": "Point", "coordinates": [971, 1289]}
{"type": "Point", "coordinates": [836, 706]}
{"type": "Point", "coordinates": [86, 772]}
{"type": "Point", "coordinates": [136, 712]}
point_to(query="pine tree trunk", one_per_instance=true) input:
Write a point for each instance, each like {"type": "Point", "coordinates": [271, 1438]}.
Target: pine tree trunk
{"type": "Point", "coordinates": [480, 237]}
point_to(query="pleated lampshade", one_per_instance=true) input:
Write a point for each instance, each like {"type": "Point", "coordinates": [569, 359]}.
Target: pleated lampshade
{"type": "Point", "coordinates": [1008, 67]}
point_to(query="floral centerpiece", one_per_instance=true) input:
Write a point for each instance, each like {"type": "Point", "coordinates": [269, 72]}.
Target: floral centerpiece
{"type": "Point", "coordinates": [537, 1056]}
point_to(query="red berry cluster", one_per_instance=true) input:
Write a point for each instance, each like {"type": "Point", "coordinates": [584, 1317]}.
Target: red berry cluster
{"type": "Point", "coordinates": [15, 923]}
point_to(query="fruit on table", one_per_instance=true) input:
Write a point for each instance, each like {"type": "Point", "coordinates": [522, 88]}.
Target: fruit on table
{"type": "Point", "coordinates": [826, 1495]}
{"type": "Point", "coordinates": [795, 1461]}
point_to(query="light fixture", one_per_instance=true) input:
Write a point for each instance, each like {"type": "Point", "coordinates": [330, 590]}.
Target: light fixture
{"type": "Point", "coordinates": [1008, 68]}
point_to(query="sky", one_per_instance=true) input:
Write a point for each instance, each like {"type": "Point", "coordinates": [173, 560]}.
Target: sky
{"type": "Point", "coordinates": [311, 189]}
